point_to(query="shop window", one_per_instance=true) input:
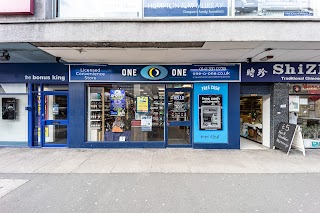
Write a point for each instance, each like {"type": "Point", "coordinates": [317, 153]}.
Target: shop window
{"type": "Point", "coordinates": [304, 110]}
{"type": "Point", "coordinates": [179, 85]}
{"type": "Point", "coordinates": [132, 112]}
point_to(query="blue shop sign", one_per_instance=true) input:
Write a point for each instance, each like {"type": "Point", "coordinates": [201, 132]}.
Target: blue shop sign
{"type": "Point", "coordinates": [174, 8]}
{"type": "Point", "coordinates": [34, 73]}
{"type": "Point", "coordinates": [147, 73]}
{"type": "Point", "coordinates": [280, 72]}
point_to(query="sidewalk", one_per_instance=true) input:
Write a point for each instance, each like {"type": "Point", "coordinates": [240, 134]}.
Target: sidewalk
{"type": "Point", "coordinates": [25, 160]}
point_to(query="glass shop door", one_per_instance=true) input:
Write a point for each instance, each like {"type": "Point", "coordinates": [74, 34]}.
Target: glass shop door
{"type": "Point", "coordinates": [54, 119]}
{"type": "Point", "coordinates": [178, 117]}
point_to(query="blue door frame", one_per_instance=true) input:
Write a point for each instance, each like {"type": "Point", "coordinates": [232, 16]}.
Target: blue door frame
{"type": "Point", "coordinates": [178, 123]}
{"type": "Point", "coordinates": [45, 122]}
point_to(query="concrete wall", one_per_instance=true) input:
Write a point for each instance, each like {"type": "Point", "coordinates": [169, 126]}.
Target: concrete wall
{"type": "Point", "coordinates": [164, 31]}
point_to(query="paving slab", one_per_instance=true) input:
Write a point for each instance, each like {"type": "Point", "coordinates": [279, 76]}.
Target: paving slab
{"type": "Point", "coordinates": [66, 163]}
{"type": "Point", "coordinates": [33, 162]}
{"type": "Point", "coordinates": [170, 161]}
{"type": "Point", "coordinates": [101, 162]}
{"type": "Point", "coordinates": [134, 161]}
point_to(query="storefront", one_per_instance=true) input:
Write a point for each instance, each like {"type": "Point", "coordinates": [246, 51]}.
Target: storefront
{"type": "Point", "coordinates": [197, 106]}
{"type": "Point", "coordinates": [294, 95]}
{"type": "Point", "coordinates": [30, 95]}
{"type": "Point", "coordinates": [154, 106]}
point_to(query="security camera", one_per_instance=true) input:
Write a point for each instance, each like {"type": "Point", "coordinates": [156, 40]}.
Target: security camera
{"type": "Point", "coordinates": [58, 59]}
{"type": "Point", "coordinates": [5, 56]}
{"type": "Point", "coordinates": [249, 60]}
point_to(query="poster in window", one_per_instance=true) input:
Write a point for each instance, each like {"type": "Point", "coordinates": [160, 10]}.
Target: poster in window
{"type": "Point", "coordinates": [9, 108]}
{"type": "Point", "coordinates": [294, 103]}
{"type": "Point", "coordinates": [274, 8]}
{"type": "Point", "coordinates": [210, 108]}
{"type": "Point", "coordinates": [146, 123]}
{"type": "Point", "coordinates": [55, 109]}
{"type": "Point", "coordinates": [117, 103]}
{"type": "Point", "coordinates": [142, 104]}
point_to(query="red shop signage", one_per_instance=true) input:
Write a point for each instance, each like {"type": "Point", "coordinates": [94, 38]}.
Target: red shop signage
{"type": "Point", "coordinates": [16, 7]}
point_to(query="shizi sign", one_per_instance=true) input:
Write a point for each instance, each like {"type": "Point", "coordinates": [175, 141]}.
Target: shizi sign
{"type": "Point", "coordinates": [280, 72]}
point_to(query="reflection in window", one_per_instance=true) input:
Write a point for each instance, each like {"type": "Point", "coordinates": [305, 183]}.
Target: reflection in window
{"type": "Point", "coordinates": [100, 8]}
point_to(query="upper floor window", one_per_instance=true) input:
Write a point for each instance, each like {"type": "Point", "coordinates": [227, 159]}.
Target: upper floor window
{"type": "Point", "coordinates": [127, 9]}
{"type": "Point", "coordinates": [100, 9]}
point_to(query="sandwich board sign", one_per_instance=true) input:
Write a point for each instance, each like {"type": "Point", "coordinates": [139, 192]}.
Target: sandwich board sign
{"type": "Point", "coordinates": [288, 136]}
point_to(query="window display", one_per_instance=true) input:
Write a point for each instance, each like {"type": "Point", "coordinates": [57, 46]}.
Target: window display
{"type": "Point", "coordinates": [133, 112]}
{"type": "Point", "coordinates": [306, 112]}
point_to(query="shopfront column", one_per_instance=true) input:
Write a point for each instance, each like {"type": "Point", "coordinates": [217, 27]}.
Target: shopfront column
{"type": "Point", "coordinates": [279, 107]}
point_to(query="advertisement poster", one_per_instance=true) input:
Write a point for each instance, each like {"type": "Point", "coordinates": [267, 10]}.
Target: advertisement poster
{"type": "Point", "coordinates": [294, 104]}
{"type": "Point", "coordinates": [55, 109]}
{"type": "Point", "coordinates": [211, 113]}
{"type": "Point", "coordinates": [274, 7]}
{"type": "Point", "coordinates": [142, 104]}
{"type": "Point", "coordinates": [210, 107]}
{"type": "Point", "coordinates": [174, 8]}
{"type": "Point", "coordinates": [9, 108]}
{"type": "Point", "coordinates": [146, 123]}
{"type": "Point", "coordinates": [117, 103]}
{"type": "Point", "coordinates": [177, 111]}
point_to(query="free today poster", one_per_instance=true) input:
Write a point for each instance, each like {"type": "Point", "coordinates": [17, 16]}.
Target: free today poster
{"type": "Point", "coordinates": [117, 103]}
{"type": "Point", "coordinates": [211, 113]}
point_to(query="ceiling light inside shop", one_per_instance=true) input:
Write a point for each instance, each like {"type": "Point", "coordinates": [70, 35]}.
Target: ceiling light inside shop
{"type": "Point", "coordinates": [187, 86]}
{"type": "Point", "coordinates": [160, 88]}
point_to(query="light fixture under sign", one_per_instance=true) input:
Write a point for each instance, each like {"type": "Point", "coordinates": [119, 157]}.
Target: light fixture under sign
{"type": "Point", "coordinates": [266, 58]}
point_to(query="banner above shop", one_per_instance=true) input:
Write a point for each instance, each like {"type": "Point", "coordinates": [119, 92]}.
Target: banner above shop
{"type": "Point", "coordinates": [145, 73]}
{"type": "Point", "coordinates": [280, 72]}
{"type": "Point", "coordinates": [174, 8]}
{"type": "Point", "coordinates": [34, 73]}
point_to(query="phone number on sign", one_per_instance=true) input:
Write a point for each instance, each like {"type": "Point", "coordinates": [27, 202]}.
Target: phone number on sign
{"type": "Point", "coordinates": [212, 68]}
